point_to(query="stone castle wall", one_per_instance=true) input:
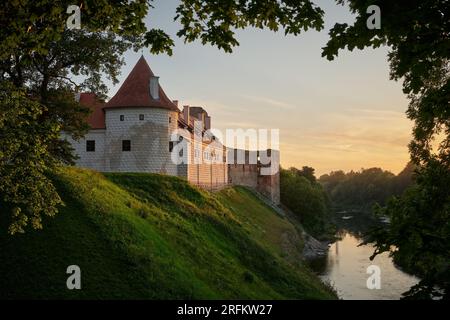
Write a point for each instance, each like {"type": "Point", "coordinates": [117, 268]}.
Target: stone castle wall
{"type": "Point", "coordinates": [211, 166]}
{"type": "Point", "coordinates": [247, 173]}
{"type": "Point", "coordinates": [94, 160]}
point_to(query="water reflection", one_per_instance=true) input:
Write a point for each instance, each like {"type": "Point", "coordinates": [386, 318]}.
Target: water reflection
{"type": "Point", "coordinates": [345, 269]}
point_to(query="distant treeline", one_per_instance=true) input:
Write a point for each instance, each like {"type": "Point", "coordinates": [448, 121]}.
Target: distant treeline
{"type": "Point", "coordinates": [305, 197]}
{"type": "Point", "coordinates": [360, 190]}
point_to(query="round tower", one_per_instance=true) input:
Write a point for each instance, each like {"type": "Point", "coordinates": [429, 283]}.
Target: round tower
{"type": "Point", "coordinates": [139, 120]}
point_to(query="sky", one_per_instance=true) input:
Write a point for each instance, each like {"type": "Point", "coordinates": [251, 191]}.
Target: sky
{"type": "Point", "coordinates": [340, 115]}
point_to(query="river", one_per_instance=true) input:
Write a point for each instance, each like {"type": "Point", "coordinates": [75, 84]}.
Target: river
{"type": "Point", "coordinates": [345, 268]}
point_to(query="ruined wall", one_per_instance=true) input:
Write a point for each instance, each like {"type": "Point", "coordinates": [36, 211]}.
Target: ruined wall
{"type": "Point", "coordinates": [250, 174]}
{"type": "Point", "coordinates": [269, 185]}
{"type": "Point", "coordinates": [243, 175]}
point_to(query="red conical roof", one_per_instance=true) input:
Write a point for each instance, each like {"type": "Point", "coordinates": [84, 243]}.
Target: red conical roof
{"type": "Point", "coordinates": [135, 91]}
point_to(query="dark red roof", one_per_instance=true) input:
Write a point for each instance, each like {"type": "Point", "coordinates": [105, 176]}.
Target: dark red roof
{"type": "Point", "coordinates": [97, 118]}
{"type": "Point", "coordinates": [135, 91]}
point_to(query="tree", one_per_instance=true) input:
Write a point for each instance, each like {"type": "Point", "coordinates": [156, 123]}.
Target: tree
{"type": "Point", "coordinates": [307, 200]}
{"type": "Point", "coordinates": [24, 157]}
{"type": "Point", "coordinates": [418, 35]}
{"type": "Point", "coordinates": [405, 178]}
{"type": "Point", "coordinates": [39, 57]}
{"type": "Point", "coordinates": [307, 172]}
{"type": "Point", "coordinates": [419, 231]}
{"type": "Point", "coordinates": [330, 180]}
{"type": "Point", "coordinates": [362, 189]}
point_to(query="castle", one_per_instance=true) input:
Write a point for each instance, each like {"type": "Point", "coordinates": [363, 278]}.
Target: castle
{"type": "Point", "coordinates": [141, 130]}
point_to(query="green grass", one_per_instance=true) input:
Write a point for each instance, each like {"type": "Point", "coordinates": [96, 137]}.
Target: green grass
{"type": "Point", "coordinates": [150, 236]}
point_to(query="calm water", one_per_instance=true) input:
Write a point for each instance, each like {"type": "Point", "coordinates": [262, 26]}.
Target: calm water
{"type": "Point", "coordinates": [345, 269]}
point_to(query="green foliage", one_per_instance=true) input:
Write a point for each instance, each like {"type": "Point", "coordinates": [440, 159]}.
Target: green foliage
{"type": "Point", "coordinates": [38, 57]}
{"type": "Point", "coordinates": [362, 189]}
{"type": "Point", "coordinates": [307, 200]}
{"type": "Point", "coordinates": [420, 231]}
{"type": "Point", "coordinates": [215, 22]}
{"type": "Point", "coordinates": [307, 172]}
{"type": "Point", "coordinates": [417, 33]}
{"type": "Point", "coordinates": [24, 159]}
{"type": "Point", "coordinates": [190, 244]}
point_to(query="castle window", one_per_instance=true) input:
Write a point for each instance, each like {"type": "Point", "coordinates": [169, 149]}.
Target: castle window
{"type": "Point", "coordinates": [170, 119]}
{"type": "Point", "coordinates": [90, 145]}
{"type": "Point", "coordinates": [170, 146]}
{"type": "Point", "coordinates": [141, 117]}
{"type": "Point", "coordinates": [122, 117]}
{"type": "Point", "coordinates": [126, 145]}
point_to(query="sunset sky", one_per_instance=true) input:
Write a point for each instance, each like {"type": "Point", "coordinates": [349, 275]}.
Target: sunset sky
{"type": "Point", "coordinates": [345, 114]}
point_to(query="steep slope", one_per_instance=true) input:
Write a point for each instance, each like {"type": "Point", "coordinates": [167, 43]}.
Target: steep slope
{"type": "Point", "coordinates": [157, 237]}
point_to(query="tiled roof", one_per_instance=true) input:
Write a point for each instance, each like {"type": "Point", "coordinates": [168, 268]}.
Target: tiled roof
{"type": "Point", "coordinates": [97, 118]}
{"type": "Point", "coordinates": [135, 91]}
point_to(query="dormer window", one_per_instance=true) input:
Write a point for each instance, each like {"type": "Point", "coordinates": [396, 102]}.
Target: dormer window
{"type": "Point", "coordinates": [154, 87]}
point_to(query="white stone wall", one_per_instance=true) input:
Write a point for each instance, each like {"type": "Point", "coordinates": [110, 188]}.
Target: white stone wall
{"type": "Point", "coordinates": [149, 148]}
{"type": "Point", "coordinates": [149, 140]}
{"type": "Point", "coordinates": [94, 160]}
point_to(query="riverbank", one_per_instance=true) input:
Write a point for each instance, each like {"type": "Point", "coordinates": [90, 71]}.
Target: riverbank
{"type": "Point", "coordinates": [344, 263]}
{"type": "Point", "coordinates": [314, 248]}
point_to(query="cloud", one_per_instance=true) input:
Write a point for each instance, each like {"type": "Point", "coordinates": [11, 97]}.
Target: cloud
{"type": "Point", "coordinates": [376, 114]}
{"type": "Point", "coordinates": [269, 101]}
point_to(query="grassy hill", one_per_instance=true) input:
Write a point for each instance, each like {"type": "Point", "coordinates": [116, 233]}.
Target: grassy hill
{"type": "Point", "coordinates": [157, 237]}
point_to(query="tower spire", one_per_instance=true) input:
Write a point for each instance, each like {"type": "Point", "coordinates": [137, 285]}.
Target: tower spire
{"type": "Point", "coordinates": [135, 90]}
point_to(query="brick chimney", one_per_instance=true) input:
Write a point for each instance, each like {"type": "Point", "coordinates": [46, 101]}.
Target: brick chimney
{"type": "Point", "coordinates": [186, 114]}
{"type": "Point", "coordinates": [207, 122]}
